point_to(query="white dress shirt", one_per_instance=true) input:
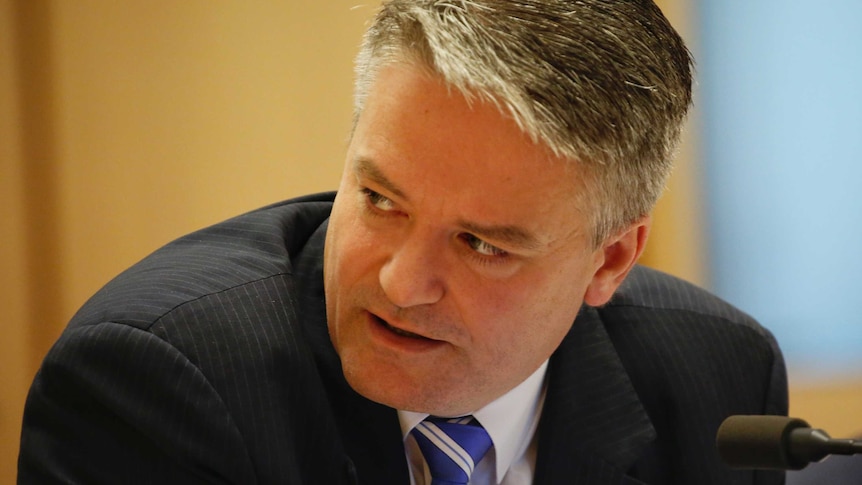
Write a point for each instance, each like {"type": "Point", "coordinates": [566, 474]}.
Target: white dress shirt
{"type": "Point", "coordinates": [510, 420]}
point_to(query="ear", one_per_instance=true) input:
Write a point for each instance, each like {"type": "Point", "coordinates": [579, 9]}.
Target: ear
{"type": "Point", "coordinates": [615, 259]}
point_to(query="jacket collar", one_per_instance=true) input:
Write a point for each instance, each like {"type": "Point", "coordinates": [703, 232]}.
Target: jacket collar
{"type": "Point", "coordinates": [369, 432]}
{"type": "Point", "coordinates": [593, 425]}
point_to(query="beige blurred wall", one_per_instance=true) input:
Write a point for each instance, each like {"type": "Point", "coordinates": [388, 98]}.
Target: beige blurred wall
{"type": "Point", "coordinates": [173, 115]}
{"type": "Point", "coordinates": [15, 359]}
{"type": "Point", "coordinates": [126, 124]}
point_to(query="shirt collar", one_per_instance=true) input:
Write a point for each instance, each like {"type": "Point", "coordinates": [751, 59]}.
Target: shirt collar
{"type": "Point", "coordinates": [510, 420]}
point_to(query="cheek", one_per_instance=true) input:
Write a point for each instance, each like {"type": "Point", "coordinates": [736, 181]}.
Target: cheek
{"type": "Point", "coordinates": [342, 251]}
{"type": "Point", "coordinates": [352, 249]}
{"type": "Point", "coordinates": [538, 291]}
{"type": "Point", "coordinates": [532, 314]}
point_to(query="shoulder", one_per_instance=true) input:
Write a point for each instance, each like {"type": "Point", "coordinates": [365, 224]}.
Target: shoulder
{"type": "Point", "coordinates": [650, 298]}
{"type": "Point", "coordinates": [253, 249]}
{"type": "Point", "coordinates": [674, 337]}
{"type": "Point", "coordinates": [670, 331]}
{"type": "Point", "coordinates": [692, 359]}
{"type": "Point", "coordinates": [195, 353]}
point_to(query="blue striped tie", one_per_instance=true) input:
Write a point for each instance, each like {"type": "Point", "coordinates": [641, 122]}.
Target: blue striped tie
{"type": "Point", "coordinates": [451, 447]}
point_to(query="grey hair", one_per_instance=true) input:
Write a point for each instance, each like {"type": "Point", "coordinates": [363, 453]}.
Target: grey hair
{"type": "Point", "coordinates": [606, 83]}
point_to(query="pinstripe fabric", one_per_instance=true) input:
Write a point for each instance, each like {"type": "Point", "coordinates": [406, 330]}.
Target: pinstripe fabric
{"type": "Point", "coordinates": [210, 362]}
{"type": "Point", "coordinates": [187, 368]}
{"type": "Point", "coordinates": [642, 384]}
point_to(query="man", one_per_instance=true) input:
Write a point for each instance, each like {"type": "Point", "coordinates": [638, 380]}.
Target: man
{"type": "Point", "coordinates": [469, 301]}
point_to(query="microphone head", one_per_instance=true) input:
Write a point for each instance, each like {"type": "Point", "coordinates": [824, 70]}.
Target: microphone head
{"type": "Point", "coordinates": [759, 442]}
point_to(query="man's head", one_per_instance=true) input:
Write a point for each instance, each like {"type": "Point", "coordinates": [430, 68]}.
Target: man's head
{"type": "Point", "coordinates": [606, 84]}
{"type": "Point", "coordinates": [502, 167]}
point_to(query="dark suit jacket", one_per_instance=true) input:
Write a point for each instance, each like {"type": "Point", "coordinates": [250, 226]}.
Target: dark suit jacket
{"type": "Point", "coordinates": [209, 362]}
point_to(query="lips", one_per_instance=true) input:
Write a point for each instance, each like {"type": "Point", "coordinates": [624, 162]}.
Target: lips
{"type": "Point", "coordinates": [398, 331]}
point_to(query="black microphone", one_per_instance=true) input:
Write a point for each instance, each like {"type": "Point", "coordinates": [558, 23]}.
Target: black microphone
{"type": "Point", "coordinates": [777, 443]}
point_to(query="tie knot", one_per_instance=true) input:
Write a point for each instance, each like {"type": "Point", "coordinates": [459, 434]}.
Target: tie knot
{"type": "Point", "coordinates": [451, 447]}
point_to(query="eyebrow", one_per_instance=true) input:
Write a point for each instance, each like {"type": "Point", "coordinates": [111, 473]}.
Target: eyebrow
{"type": "Point", "coordinates": [364, 167]}
{"type": "Point", "coordinates": [510, 235]}
{"type": "Point", "coordinates": [507, 234]}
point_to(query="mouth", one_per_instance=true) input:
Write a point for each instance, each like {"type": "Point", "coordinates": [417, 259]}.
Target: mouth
{"type": "Point", "coordinates": [398, 331]}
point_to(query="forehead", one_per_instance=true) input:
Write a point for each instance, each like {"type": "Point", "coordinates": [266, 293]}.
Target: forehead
{"type": "Point", "coordinates": [460, 153]}
{"type": "Point", "coordinates": [413, 112]}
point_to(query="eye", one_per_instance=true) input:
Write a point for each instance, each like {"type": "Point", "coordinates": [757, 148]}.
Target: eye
{"type": "Point", "coordinates": [482, 247]}
{"type": "Point", "coordinates": [378, 201]}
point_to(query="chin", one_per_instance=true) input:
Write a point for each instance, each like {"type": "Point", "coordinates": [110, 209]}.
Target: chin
{"type": "Point", "coordinates": [402, 395]}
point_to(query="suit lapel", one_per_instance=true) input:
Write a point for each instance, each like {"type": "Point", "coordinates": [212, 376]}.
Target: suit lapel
{"type": "Point", "coordinates": [593, 426]}
{"type": "Point", "coordinates": [369, 432]}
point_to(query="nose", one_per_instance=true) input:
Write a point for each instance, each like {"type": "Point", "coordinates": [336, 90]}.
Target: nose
{"type": "Point", "coordinates": [412, 275]}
